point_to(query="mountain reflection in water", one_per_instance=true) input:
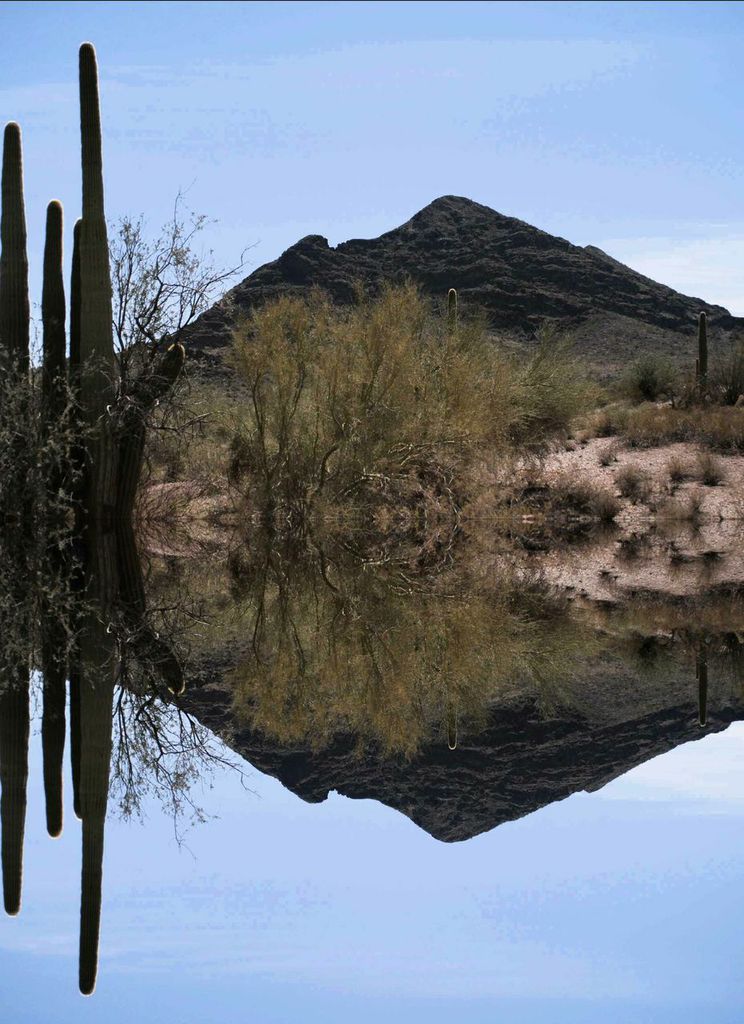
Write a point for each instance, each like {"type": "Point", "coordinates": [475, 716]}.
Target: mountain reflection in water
{"type": "Point", "coordinates": [462, 690]}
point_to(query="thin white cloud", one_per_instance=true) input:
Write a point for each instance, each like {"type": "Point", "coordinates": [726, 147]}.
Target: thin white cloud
{"type": "Point", "coordinates": [711, 268]}
{"type": "Point", "coordinates": [709, 771]}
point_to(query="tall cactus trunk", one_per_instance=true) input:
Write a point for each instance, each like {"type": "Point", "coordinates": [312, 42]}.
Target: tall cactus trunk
{"type": "Point", "coordinates": [54, 370]}
{"type": "Point", "coordinates": [76, 464]}
{"type": "Point", "coordinates": [98, 367]}
{"type": "Point", "coordinates": [702, 359]}
{"type": "Point", "coordinates": [452, 311]}
{"type": "Point", "coordinates": [14, 302]}
{"type": "Point", "coordinates": [14, 730]}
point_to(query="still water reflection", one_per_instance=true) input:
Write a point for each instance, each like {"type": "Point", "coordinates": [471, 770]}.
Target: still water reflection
{"type": "Point", "coordinates": [462, 692]}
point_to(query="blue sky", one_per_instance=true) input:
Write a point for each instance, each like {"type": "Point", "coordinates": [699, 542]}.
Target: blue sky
{"type": "Point", "coordinates": [617, 124]}
{"type": "Point", "coordinates": [620, 906]}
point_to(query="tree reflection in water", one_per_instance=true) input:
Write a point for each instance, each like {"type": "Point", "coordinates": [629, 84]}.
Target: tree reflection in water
{"type": "Point", "coordinates": [82, 615]}
{"type": "Point", "coordinates": [396, 647]}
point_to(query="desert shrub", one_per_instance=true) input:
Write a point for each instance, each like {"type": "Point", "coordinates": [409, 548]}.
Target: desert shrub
{"type": "Point", "coordinates": [633, 483]}
{"type": "Point", "coordinates": [650, 378]}
{"type": "Point", "coordinates": [719, 427]}
{"type": "Point", "coordinates": [708, 470]}
{"type": "Point", "coordinates": [340, 400]}
{"type": "Point", "coordinates": [608, 421]}
{"type": "Point", "coordinates": [687, 508]}
{"type": "Point", "coordinates": [387, 654]}
{"type": "Point", "coordinates": [36, 470]}
{"type": "Point", "coordinates": [554, 390]}
{"type": "Point", "coordinates": [726, 379]}
{"type": "Point", "coordinates": [582, 496]}
{"type": "Point", "coordinates": [678, 470]}
{"type": "Point", "coordinates": [608, 455]}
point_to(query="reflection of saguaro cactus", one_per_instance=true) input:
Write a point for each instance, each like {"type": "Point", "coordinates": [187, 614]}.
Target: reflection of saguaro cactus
{"type": "Point", "coordinates": [97, 665]}
{"type": "Point", "coordinates": [97, 390]}
{"type": "Point", "coordinates": [451, 726]}
{"type": "Point", "coordinates": [146, 645]}
{"type": "Point", "coordinates": [75, 736]}
{"type": "Point", "coordinates": [53, 722]}
{"type": "Point", "coordinates": [96, 699]}
{"type": "Point", "coordinates": [14, 728]}
{"type": "Point", "coordinates": [14, 304]}
{"type": "Point", "coordinates": [701, 671]}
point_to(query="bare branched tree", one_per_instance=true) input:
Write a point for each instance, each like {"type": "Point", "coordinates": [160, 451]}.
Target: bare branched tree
{"type": "Point", "coordinates": [160, 285]}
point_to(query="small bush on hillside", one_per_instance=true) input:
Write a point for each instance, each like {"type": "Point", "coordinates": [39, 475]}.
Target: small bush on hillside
{"type": "Point", "coordinates": [678, 470]}
{"type": "Point", "coordinates": [708, 470]}
{"type": "Point", "coordinates": [633, 483]}
{"type": "Point", "coordinates": [650, 379]}
{"type": "Point", "coordinates": [582, 496]}
{"type": "Point", "coordinates": [726, 379]}
{"type": "Point", "coordinates": [720, 427]}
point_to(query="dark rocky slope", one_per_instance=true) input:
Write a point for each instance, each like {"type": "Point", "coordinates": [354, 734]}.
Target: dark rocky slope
{"type": "Point", "coordinates": [523, 759]}
{"type": "Point", "coordinates": [520, 275]}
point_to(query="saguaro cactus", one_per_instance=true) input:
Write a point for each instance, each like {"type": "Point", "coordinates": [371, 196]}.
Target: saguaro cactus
{"type": "Point", "coordinates": [53, 322]}
{"type": "Point", "coordinates": [14, 303]}
{"type": "Point", "coordinates": [701, 672]}
{"type": "Point", "coordinates": [97, 387]}
{"type": "Point", "coordinates": [702, 360]}
{"type": "Point", "coordinates": [452, 310]}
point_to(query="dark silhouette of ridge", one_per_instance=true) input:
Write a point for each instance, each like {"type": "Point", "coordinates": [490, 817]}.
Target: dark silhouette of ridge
{"type": "Point", "coordinates": [521, 276]}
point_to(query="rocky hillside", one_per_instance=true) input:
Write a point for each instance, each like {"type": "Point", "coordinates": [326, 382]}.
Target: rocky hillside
{"type": "Point", "coordinates": [524, 758]}
{"type": "Point", "coordinates": [520, 275]}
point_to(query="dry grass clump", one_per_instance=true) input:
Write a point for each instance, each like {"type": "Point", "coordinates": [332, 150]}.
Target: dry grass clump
{"type": "Point", "coordinates": [686, 508]}
{"type": "Point", "coordinates": [709, 470]}
{"type": "Point", "coordinates": [678, 470]}
{"type": "Point", "coordinates": [608, 455]}
{"type": "Point", "coordinates": [581, 496]}
{"type": "Point", "coordinates": [633, 483]}
{"type": "Point", "coordinates": [190, 436]}
{"type": "Point", "coordinates": [608, 421]}
{"type": "Point", "coordinates": [719, 427]}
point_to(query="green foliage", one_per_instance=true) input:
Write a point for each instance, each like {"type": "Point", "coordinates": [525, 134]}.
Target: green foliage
{"type": "Point", "coordinates": [381, 390]}
{"type": "Point", "coordinates": [650, 378]}
{"type": "Point", "coordinates": [726, 379]}
{"type": "Point", "coordinates": [549, 391]}
{"type": "Point", "coordinates": [719, 427]}
{"type": "Point", "coordinates": [388, 653]}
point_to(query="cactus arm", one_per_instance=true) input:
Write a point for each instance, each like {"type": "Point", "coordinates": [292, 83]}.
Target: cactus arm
{"type": "Point", "coordinates": [14, 301]}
